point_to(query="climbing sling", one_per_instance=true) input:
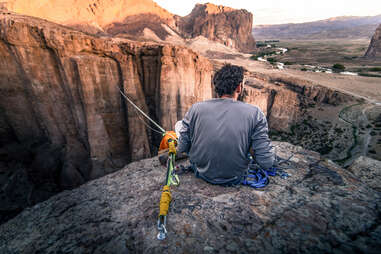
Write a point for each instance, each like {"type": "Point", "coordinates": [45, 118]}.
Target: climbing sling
{"type": "Point", "coordinates": [169, 142]}
{"type": "Point", "coordinates": [171, 179]}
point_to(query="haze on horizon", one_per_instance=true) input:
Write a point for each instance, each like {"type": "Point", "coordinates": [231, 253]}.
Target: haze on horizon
{"type": "Point", "coordinates": [280, 11]}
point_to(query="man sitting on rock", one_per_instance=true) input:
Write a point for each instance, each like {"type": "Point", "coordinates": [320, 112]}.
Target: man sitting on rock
{"type": "Point", "coordinates": [217, 134]}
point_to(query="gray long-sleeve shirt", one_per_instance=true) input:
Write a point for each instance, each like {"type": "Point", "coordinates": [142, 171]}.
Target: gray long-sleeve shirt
{"type": "Point", "coordinates": [218, 134]}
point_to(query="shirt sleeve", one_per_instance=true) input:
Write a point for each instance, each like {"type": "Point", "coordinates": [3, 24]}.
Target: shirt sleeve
{"type": "Point", "coordinates": [184, 142]}
{"type": "Point", "coordinates": [261, 144]}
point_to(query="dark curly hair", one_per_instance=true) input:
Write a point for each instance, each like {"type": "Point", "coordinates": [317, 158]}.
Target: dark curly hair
{"type": "Point", "coordinates": [227, 79]}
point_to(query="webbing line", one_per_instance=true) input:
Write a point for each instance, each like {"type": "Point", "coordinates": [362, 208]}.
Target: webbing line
{"type": "Point", "coordinates": [142, 112]}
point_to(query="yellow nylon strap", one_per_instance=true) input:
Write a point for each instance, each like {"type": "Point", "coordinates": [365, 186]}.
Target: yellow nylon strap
{"type": "Point", "coordinates": [172, 147]}
{"type": "Point", "coordinates": [165, 200]}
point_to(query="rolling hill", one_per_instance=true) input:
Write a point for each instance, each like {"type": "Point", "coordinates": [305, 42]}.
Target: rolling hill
{"type": "Point", "coordinates": [346, 27]}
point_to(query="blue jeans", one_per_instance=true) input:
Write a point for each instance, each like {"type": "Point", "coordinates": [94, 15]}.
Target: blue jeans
{"type": "Point", "coordinates": [223, 182]}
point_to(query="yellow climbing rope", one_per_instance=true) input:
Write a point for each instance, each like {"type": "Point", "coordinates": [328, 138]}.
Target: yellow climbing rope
{"type": "Point", "coordinates": [166, 197]}
{"type": "Point", "coordinates": [169, 142]}
{"type": "Point", "coordinates": [165, 200]}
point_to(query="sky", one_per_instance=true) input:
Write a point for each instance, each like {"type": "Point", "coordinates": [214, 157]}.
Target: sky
{"type": "Point", "coordinates": [285, 11]}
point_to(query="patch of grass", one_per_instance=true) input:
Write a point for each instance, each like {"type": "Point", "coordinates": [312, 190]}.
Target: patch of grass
{"type": "Point", "coordinates": [261, 54]}
{"type": "Point", "coordinates": [289, 63]}
{"type": "Point", "coordinates": [303, 69]}
{"type": "Point", "coordinates": [350, 57]}
{"type": "Point", "coordinates": [369, 75]}
{"type": "Point", "coordinates": [378, 69]}
{"type": "Point", "coordinates": [254, 57]}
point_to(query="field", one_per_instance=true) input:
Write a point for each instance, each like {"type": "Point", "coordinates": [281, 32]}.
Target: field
{"type": "Point", "coordinates": [326, 53]}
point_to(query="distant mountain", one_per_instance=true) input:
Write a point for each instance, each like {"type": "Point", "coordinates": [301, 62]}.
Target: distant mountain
{"type": "Point", "coordinates": [347, 27]}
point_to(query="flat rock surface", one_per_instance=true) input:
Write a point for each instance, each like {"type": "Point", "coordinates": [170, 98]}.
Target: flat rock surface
{"type": "Point", "coordinates": [320, 208]}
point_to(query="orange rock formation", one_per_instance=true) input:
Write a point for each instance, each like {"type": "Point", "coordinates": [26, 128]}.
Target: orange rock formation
{"type": "Point", "coordinates": [129, 18]}
{"type": "Point", "coordinates": [95, 12]}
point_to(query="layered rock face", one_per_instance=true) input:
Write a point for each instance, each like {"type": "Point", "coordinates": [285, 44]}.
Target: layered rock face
{"type": "Point", "coordinates": [133, 19]}
{"type": "Point", "coordinates": [105, 17]}
{"type": "Point", "coordinates": [374, 50]}
{"type": "Point", "coordinates": [320, 208]}
{"type": "Point", "coordinates": [63, 120]}
{"type": "Point", "coordinates": [284, 100]}
{"type": "Point", "coordinates": [223, 24]}
{"type": "Point", "coordinates": [96, 13]}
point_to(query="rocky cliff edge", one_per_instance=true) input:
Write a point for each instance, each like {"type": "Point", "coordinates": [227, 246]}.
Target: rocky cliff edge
{"type": "Point", "coordinates": [319, 208]}
{"type": "Point", "coordinates": [374, 50]}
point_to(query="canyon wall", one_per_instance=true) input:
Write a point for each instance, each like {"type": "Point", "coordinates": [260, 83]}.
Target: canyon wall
{"type": "Point", "coordinates": [284, 99]}
{"type": "Point", "coordinates": [63, 120]}
{"type": "Point", "coordinates": [374, 50]}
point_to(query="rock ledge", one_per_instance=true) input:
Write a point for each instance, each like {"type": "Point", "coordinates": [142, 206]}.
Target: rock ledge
{"type": "Point", "coordinates": [320, 208]}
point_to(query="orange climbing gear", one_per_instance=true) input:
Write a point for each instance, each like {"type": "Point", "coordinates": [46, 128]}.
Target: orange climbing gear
{"type": "Point", "coordinates": [167, 136]}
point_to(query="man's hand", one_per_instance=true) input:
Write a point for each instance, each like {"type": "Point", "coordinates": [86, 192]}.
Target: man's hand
{"type": "Point", "coordinates": [163, 156]}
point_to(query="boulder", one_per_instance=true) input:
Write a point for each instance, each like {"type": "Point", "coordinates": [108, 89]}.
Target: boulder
{"type": "Point", "coordinates": [368, 171]}
{"type": "Point", "coordinates": [228, 26]}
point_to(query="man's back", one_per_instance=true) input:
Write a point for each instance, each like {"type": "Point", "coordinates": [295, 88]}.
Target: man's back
{"type": "Point", "coordinates": [218, 134]}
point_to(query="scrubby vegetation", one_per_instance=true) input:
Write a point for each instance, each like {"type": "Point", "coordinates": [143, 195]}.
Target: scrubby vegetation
{"type": "Point", "coordinates": [378, 69]}
{"type": "Point", "coordinates": [369, 75]}
{"type": "Point", "coordinates": [338, 67]}
{"type": "Point", "coordinates": [262, 54]}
